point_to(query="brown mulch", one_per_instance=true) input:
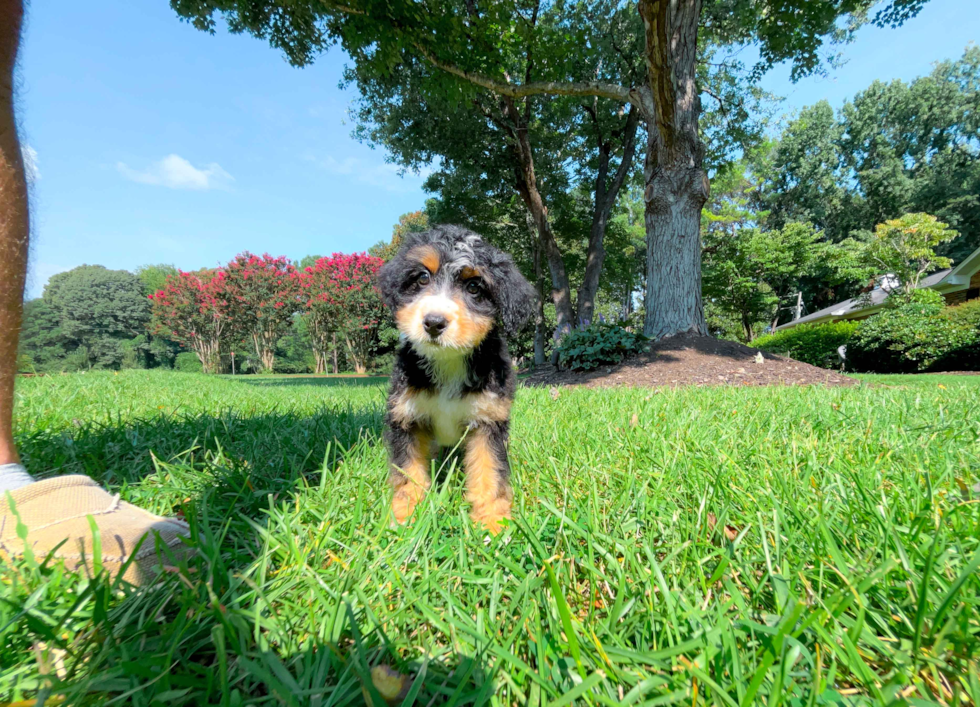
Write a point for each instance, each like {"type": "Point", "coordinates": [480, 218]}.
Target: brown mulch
{"type": "Point", "coordinates": [694, 360]}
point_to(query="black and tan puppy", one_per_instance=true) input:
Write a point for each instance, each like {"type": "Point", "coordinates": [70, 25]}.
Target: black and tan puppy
{"type": "Point", "coordinates": [454, 298]}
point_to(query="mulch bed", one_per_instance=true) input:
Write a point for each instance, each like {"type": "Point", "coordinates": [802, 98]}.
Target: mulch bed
{"type": "Point", "coordinates": [694, 360]}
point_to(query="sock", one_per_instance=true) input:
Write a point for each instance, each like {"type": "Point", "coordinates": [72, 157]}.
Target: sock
{"type": "Point", "coordinates": [13, 476]}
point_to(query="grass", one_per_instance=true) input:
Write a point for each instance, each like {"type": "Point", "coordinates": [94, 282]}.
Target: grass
{"type": "Point", "coordinates": [718, 546]}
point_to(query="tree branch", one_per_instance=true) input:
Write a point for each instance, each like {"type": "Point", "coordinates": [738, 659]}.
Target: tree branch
{"type": "Point", "coordinates": [536, 88]}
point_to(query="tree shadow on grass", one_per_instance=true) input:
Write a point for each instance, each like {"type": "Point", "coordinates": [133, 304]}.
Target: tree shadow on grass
{"type": "Point", "coordinates": [237, 460]}
{"type": "Point", "coordinates": [327, 381]}
{"type": "Point", "coordinates": [235, 618]}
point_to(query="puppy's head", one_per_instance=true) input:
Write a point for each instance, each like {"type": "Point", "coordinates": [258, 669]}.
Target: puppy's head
{"type": "Point", "coordinates": [448, 288]}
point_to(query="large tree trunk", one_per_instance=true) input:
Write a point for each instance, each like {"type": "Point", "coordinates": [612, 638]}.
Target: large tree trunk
{"type": "Point", "coordinates": [605, 200]}
{"type": "Point", "coordinates": [539, 332]}
{"type": "Point", "coordinates": [527, 187]}
{"type": "Point", "coordinates": [676, 184]}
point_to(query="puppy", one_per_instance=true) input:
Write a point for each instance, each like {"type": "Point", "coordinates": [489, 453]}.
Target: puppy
{"type": "Point", "coordinates": [454, 297]}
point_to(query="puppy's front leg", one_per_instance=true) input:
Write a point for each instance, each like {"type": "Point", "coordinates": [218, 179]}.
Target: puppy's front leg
{"type": "Point", "coordinates": [488, 475]}
{"type": "Point", "coordinates": [410, 451]}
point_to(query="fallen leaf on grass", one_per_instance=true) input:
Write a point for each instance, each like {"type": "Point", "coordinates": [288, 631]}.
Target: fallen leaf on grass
{"type": "Point", "coordinates": [730, 531]}
{"type": "Point", "coordinates": [390, 684]}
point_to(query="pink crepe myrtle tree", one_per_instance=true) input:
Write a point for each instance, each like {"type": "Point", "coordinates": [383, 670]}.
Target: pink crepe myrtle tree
{"type": "Point", "coordinates": [341, 300]}
{"type": "Point", "coordinates": [192, 309]}
{"type": "Point", "coordinates": [262, 295]}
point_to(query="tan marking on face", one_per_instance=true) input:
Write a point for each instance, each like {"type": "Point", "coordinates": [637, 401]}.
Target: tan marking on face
{"type": "Point", "coordinates": [412, 481]}
{"type": "Point", "coordinates": [465, 330]}
{"type": "Point", "coordinates": [467, 273]}
{"type": "Point", "coordinates": [428, 256]}
{"type": "Point", "coordinates": [489, 495]}
{"type": "Point", "coordinates": [469, 329]}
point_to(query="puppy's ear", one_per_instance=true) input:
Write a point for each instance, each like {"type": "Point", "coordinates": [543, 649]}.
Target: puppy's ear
{"type": "Point", "coordinates": [517, 299]}
{"type": "Point", "coordinates": [389, 281]}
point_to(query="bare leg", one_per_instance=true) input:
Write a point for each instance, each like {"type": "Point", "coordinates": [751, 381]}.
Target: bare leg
{"type": "Point", "coordinates": [56, 511]}
{"type": "Point", "coordinates": [13, 225]}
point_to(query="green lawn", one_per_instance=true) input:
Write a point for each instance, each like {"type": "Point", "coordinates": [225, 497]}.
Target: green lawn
{"type": "Point", "coordinates": [699, 546]}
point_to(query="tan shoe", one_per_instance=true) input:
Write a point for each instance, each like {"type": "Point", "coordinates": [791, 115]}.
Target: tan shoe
{"type": "Point", "coordinates": [57, 509]}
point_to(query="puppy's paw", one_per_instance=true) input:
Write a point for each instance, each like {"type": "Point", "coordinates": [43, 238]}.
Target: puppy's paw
{"type": "Point", "coordinates": [491, 516]}
{"type": "Point", "coordinates": [404, 502]}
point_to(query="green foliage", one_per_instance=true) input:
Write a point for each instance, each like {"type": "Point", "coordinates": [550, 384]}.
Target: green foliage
{"type": "Point", "coordinates": [815, 344]}
{"type": "Point", "coordinates": [746, 268]}
{"type": "Point", "coordinates": [909, 337]}
{"type": "Point", "coordinates": [94, 302]}
{"type": "Point", "coordinates": [597, 345]}
{"type": "Point", "coordinates": [188, 362]}
{"type": "Point", "coordinates": [84, 319]}
{"type": "Point", "coordinates": [42, 338]}
{"type": "Point", "coordinates": [765, 541]}
{"type": "Point", "coordinates": [412, 222]}
{"type": "Point", "coordinates": [307, 261]}
{"type": "Point", "coordinates": [965, 317]}
{"type": "Point", "coordinates": [154, 277]}
{"type": "Point", "coordinates": [896, 148]}
{"type": "Point", "coordinates": [294, 351]}
{"type": "Point", "coordinates": [904, 249]}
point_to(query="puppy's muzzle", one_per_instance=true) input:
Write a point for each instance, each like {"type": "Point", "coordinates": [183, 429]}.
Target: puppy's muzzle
{"type": "Point", "coordinates": [434, 324]}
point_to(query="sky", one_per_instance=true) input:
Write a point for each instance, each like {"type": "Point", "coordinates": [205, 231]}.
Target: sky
{"type": "Point", "coordinates": [153, 142]}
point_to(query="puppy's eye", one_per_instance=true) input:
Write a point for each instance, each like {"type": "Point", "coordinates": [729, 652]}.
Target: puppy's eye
{"type": "Point", "coordinates": [423, 279]}
{"type": "Point", "coordinates": [473, 287]}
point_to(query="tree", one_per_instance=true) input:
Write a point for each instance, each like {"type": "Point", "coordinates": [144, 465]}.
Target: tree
{"type": "Point", "coordinates": [95, 302]}
{"type": "Point", "coordinates": [341, 299]}
{"type": "Point", "coordinates": [193, 309]}
{"type": "Point", "coordinates": [97, 309]}
{"type": "Point", "coordinates": [749, 266]}
{"type": "Point", "coordinates": [262, 295]}
{"type": "Point", "coordinates": [895, 148]}
{"type": "Point", "coordinates": [902, 250]}
{"type": "Point", "coordinates": [804, 176]}
{"type": "Point", "coordinates": [154, 277]}
{"type": "Point", "coordinates": [474, 43]}
{"type": "Point", "coordinates": [748, 271]}
{"type": "Point", "coordinates": [412, 222]}
{"type": "Point", "coordinates": [307, 261]}
{"type": "Point", "coordinates": [42, 343]}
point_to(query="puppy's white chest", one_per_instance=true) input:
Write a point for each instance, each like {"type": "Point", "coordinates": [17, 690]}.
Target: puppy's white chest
{"type": "Point", "coordinates": [447, 415]}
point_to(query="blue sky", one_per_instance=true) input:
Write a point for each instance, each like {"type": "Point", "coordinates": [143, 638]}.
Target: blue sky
{"type": "Point", "coordinates": [156, 143]}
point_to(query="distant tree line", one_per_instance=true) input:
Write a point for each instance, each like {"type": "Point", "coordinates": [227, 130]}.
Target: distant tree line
{"type": "Point", "coordinates": [793, 210]}
{"type": "Point", "coordinates": [257, 313]}
{"type": "Point", "coordinates": [807, 211]}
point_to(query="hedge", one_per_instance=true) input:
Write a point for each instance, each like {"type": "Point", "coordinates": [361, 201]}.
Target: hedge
{"type": "Point", "coordinates": [922, 335]}
{"type": "Point", "coordinates": [815, 344]}
{"type": "Point", "coordinates": [188, 362]}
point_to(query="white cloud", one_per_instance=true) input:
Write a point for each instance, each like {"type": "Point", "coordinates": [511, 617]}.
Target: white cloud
{"type": "Point", "coordinates": [174, 172]}
{"type": "Point", "coordinates": [385, 175]}
{"type": "Point", "coordinates": [30, 164]}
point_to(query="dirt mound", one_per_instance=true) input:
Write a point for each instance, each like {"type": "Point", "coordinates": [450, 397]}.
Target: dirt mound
{"type": "Point", "coordinates": [694, 360]}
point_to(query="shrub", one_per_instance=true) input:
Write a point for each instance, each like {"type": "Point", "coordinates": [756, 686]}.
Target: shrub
{"type": "Point", "coordinates": [815, 344]}
{"type": "Point", "coordinates": [597, 345]}
{"type": "Point", "coordinates": [964, 358]}
{"type": "Point", "coordinates": [911, 337]}
{"type": "Point", "coordinates": [188, 362]}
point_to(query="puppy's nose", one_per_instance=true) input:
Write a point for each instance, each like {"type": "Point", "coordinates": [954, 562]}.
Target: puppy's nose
{"type": "Point", "coordinates": [434, 324]}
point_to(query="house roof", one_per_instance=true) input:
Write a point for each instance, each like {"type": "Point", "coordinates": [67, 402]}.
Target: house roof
{"type": "Point", "coordinates": [946, 281]}
{"type": "Point", "coordinates": [857, 304]}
